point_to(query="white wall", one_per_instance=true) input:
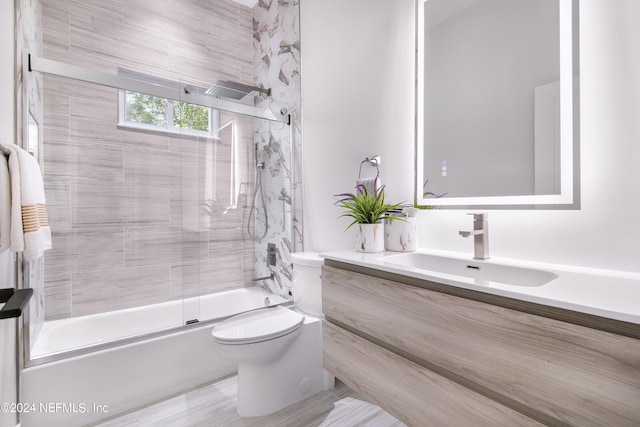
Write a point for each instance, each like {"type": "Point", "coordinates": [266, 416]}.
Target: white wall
{"type": "Point", "coordinates": [7, 273]}
{"type": "Point", "coordinates": [357, 91]}
{"type": "Point", "coordinates": [347, 47]}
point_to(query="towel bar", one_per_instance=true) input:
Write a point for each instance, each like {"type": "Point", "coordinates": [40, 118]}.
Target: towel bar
{"type": "Point", "coordinates": [15, 301]}
{"type": "Point", "coordinates": [373, 161]}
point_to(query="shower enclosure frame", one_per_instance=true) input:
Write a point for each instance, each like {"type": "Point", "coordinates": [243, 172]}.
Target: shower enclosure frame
{"type": "Point", "coordinates": [60, 69]}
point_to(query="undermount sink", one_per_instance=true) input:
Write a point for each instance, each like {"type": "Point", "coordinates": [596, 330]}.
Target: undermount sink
{"type": "Point", "coordinates": [482, 272]}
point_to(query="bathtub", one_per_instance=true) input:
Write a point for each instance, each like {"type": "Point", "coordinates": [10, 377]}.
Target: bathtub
{"type": "Point", "coordinates": [116, 377]}
{"type": "Point", "coordinates": [59, 336]}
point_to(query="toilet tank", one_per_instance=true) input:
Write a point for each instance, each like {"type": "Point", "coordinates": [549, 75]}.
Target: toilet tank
{"type": "Point", "coordinates": [307, 285]}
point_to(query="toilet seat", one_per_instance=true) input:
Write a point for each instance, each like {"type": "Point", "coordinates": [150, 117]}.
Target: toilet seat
{"type": "Point", "coordinates": [256, 326]}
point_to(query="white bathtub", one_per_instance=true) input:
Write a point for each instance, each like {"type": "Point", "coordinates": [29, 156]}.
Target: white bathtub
{"type": "Point", "coordinates": [96, 385]}
{"type": "Point", "coordinates": [62, 335]}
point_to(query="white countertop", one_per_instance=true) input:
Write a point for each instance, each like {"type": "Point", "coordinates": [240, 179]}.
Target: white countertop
{"type": "Point", "coordinates": [605, 293]}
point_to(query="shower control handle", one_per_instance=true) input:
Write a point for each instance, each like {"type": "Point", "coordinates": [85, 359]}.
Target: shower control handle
{"type": "Point", "coordinates": [271, 254]}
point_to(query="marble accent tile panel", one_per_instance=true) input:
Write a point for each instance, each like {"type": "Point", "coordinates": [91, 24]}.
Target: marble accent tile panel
{"type": "Point", "coordinates": [118, 288]}
{"type": "Point", "coordinates": [277, 66]}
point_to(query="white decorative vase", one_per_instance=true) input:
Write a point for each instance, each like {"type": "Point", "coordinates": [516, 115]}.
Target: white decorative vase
{"type": "Point", "coordinates": [400, 235]}
{"type": "Point", "coordinates": [370, 237]}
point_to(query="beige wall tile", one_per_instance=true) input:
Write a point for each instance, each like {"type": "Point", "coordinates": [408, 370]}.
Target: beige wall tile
{"type": "Point", "coordinates": [119, 288]}
{"type": "Point", "coordinates": [128, 206]}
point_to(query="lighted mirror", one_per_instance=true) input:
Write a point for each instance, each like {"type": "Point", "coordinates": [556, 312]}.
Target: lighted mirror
{"type": "Point", "coordinates": [497, 103]}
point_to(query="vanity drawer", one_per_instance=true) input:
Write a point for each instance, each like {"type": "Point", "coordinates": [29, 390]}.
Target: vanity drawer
{"type": "Point", "coordinates": [556, 372]}
{"type": "Point", "coordinates": [411, 393]}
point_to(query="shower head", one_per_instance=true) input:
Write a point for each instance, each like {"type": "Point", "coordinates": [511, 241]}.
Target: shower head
{"type": "Point", "coordinates": [233, 90]}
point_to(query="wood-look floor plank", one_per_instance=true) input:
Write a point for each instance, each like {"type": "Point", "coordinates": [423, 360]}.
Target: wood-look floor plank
{"type": "Point", "coordinates": [214, 405]}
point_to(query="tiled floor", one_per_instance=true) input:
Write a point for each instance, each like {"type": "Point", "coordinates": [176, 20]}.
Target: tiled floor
{"type": "Point", "coordinates": [214, 405]}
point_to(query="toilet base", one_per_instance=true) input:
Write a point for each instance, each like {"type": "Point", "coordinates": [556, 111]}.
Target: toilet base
{"type": "Point", "coordinates": [268, 387]}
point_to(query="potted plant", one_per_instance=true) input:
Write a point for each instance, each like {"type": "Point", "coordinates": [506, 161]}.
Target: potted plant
{"type": "Point", "coordinates": [367, 210]}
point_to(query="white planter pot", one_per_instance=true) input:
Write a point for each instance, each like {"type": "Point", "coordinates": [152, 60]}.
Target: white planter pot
{"type": "Point", "coordinates": [400, 236]}
{"type": "Point", "coordinates": [370, 237]}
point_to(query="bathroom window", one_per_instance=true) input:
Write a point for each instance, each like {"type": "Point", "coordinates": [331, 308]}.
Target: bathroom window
{"type": "Point", "coordinates": [146, 112]}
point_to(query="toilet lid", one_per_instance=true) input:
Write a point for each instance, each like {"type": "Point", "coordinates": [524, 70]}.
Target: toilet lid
{"type": "Point", "coordinates": [259, 325]}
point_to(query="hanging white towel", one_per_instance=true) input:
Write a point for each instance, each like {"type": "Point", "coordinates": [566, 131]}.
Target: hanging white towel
{"type": "Point", "coordinates": [30, 232]}
{"type": "Point", "coordinates": [5, 205]}
{"type": "Point", "coordinates": [371, 184]}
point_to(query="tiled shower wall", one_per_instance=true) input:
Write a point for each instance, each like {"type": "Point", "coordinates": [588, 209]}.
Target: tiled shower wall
{"type": "Point", "coordinates": [276, 48]}
{"type": "Point", "coordinates": [127, 208]}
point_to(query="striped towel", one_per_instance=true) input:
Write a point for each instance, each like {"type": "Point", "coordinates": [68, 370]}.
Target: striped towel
{"type": "Point", "coordinates": [30, 232]}
{"type": "Point", "coordinates": [5, 205]}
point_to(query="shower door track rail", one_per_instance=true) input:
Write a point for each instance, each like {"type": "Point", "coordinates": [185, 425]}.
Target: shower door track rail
{"type": "Point", "coordinates": [61, 69]}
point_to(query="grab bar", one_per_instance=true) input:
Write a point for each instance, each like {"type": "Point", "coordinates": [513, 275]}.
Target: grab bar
{"type": "Point", "coordinates": [14, 300]}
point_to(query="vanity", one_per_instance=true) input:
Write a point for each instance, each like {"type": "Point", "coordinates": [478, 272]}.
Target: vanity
{"type": "Point", "coordinates": [441, 339]}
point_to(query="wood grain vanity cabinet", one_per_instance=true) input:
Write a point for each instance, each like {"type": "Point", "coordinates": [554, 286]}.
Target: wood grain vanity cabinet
{"type": "Point", "coordinates": [436, 355]}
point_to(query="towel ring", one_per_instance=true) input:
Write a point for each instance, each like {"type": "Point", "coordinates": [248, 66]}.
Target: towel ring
{"type": "Point", "coordinates": [373, 162]}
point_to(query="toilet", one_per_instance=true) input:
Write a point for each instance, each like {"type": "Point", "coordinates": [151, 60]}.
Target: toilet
{"type": "Point", "coordinates": [279, 349]}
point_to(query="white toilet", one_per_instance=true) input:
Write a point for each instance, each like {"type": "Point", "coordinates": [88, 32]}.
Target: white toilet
{"type": "Point", "coordinates": [278, 349]}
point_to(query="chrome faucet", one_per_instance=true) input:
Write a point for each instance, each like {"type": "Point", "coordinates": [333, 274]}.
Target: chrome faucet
{"type": "Point", "coordinates": [480, 235]}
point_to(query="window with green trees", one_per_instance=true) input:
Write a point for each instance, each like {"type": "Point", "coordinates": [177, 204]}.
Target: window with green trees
{"type": "Point", "coordinates": [143, 111]}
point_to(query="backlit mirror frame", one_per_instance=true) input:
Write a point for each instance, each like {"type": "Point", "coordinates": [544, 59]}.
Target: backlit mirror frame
{"type": "Point", "coordinates": [568, 198]}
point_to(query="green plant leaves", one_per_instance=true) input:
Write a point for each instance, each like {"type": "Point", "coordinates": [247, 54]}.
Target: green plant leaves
{"type": "Point", "coordinates": [365, 207]}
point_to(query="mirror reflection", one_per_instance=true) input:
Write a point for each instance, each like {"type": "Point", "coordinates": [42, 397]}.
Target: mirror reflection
{"type": "Point", "coordinates": [491, 113]}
